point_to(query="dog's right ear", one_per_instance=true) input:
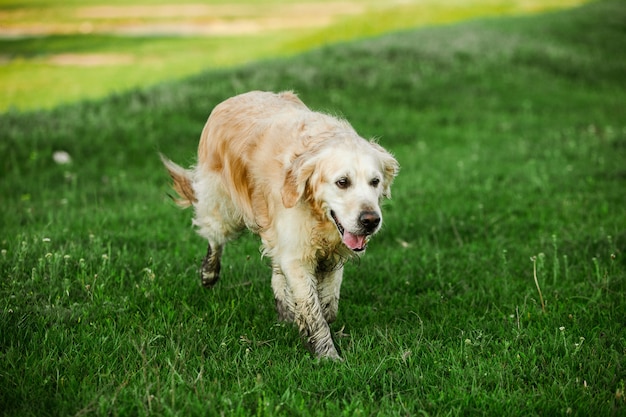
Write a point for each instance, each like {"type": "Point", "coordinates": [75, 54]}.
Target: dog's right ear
{"type": "Point", "coordinates": [296, 178]}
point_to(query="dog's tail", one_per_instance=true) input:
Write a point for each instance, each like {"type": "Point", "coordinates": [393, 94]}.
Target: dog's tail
{"type": "Point", "coordinates": [182, 183]}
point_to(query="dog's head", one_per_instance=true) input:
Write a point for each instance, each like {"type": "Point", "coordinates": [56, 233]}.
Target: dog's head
{"type": "Point", "coordinates": [343, 179]}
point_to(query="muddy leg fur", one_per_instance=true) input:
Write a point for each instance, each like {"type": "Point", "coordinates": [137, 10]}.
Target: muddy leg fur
{"type": "Point", "coordinates": [328, 286]}
{"type": "Point", "coordinates": [314, 330]}
{"type": "Point", "coordinates": [308, 314]}
{"type": "Point", "coordinates": [211, 265]}
{"type": "Point", "coordinates": [282, 295]}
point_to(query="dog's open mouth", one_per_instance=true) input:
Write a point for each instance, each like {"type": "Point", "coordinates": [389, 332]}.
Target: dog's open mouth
{"type": "Point", "coordinates": [355, 242]}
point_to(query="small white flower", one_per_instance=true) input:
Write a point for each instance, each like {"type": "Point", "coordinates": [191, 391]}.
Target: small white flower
{"type": "Point", "coordinates": [149, 274]}
{"type": "Point", "coordinates": [61, 157]}
{"type": "Point", "coordinates": [562, 328]}
{"type": "Point", "coordinates": [45, 239]}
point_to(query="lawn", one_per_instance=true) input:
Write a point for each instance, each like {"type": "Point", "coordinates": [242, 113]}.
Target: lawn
{"type": "Point", "coordinates": [496, 287]}
{"type": "Point", "coordinates": [54, 52]}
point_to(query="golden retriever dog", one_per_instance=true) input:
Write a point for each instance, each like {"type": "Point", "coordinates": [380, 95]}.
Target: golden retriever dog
{"type": "Point", "coordinates": [305, 182]}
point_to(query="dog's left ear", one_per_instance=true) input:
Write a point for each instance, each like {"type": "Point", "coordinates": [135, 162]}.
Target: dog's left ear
{"type": "Point", "coordinates": [390, 168]}
{"type": "Point", "coordinates": [296, 178]}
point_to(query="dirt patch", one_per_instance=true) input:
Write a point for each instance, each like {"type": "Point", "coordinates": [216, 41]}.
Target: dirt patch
{"type": "Point", "coordinates": [169, 20]}
{"type": "Point", "coordinates": [179, 19]}
{"type": "Point", "coordinates": [195, 11]}
{"type": "Point", "coordinates": [214, 20]}
{"type": "Point", "coordinates": [216, 27]}
{"type": "Point", "coordinates": [90, 60]}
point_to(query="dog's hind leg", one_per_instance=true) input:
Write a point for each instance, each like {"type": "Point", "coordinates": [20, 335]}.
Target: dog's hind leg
{"type": "Point", "coordinates": [211, 265]}
{"type": "Point", "coordinates": [217, 221]}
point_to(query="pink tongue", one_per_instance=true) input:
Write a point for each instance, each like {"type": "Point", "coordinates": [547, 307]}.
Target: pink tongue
{"type": "Point", "coordinates": [354, 242]}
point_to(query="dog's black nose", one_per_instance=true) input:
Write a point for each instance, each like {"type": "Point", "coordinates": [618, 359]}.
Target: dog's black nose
{"type": "Point", "coordinates": [369, 220]}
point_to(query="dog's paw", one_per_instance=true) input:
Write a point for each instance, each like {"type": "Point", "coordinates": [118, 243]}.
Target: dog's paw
{"type": "Point", "coordinates": [324, 350]}
{"type": "Point", "coordinates": [208, 277]}
{"type": "Point", "coordinates": [331, 355]}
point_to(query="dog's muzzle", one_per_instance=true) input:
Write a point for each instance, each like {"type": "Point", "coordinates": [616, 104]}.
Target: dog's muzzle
{"type": "Point", "coordinates": [368, 223]}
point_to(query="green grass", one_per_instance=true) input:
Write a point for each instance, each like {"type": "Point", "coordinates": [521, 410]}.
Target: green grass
{"type": "Point", "coordinates": [511, 136]}
{"type": "Point", "coordinates": [32, 75]}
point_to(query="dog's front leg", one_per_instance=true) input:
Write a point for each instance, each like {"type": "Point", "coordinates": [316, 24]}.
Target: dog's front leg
{"type": "Point", "coordinates": [328, 287]}
{"type": "Point", "coordinates": [308, 311]}
{"type": "Point", "coordinates": [282, 295]}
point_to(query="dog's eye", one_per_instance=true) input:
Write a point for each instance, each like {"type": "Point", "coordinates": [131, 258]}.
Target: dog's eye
{"type": "Point", "coordinates": [374, 183]}
{"type": "Point", "coordinates": [343, 183]}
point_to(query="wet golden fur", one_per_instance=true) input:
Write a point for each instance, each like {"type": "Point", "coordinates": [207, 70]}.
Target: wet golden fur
{"type": "Point", "coordinates": [269, 163]}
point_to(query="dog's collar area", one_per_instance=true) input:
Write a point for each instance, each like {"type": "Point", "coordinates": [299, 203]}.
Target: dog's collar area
{"type": "Point", "coordinates": [357, 243]}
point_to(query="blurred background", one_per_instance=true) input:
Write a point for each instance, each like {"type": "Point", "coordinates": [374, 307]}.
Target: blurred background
{"type": "Point", "coordinates": [54, 52]}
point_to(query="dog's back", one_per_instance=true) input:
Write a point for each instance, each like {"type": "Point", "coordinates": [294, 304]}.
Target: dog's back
{"type": "Point", "coordinates": [238, 125]}
{"type": "Point", "coordinates": [249, 141]}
